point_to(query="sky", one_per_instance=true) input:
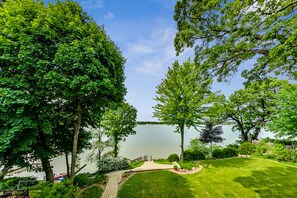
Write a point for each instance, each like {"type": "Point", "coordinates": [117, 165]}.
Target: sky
{"type": "Point", "coordinates": [144, 30]}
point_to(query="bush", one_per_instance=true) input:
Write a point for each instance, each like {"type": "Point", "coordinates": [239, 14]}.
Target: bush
{"type": "Point", "coordinates": [188, 155]}
{"type": "Point", "coordinates": [173, 158]}
{"type": "Point", "coordinates": [94, 191]}
{"type": "Point", "coordinates": [197, 155]}
{"type": "Point", "coordinates": [218, 154]}
{"type": "Point", "coordinates": [12, 183]}
{"type": "Point", "coordinates": [233, 146]}
{"type": "Point", "coordinates": [262, 149]}
{"type": "Point", "coordinates": [279, 152]}
{"type": "Point", "coordinates": [81, 180]}
{"type": "Point", "coordinates": [246, 148]}
{"type": "Point", "coordinates": [61, 189]}
{"type": "Point", "coordinates": [229, 152]}
{"type": "Point", "coordinates": [175, 167]}
{"type": "Point", "coordinates": [112, 164]}
{"type": "Point", "coordinates": [187, 165]}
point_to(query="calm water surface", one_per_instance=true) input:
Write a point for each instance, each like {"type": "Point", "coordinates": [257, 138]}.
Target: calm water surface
{"type": "Point", "coordinates": [159, 141]}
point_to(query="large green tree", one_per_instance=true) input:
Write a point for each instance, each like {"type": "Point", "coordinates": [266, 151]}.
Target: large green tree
{"type": "Point", "coordinates": [118, 123]}
{"type": "Point", "coordinates": [250, 107]}
{"type": "Point", "coordinates": [56, 63]}
{"type": "Point", "coordinates": [227, 33]}
{"type": "Point", "coordinates": [283, 119]}
{"type": "Point", "coordinates": [182, 97]}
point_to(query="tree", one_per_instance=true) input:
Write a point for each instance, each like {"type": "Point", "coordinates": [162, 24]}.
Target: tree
{"type": "Point", "coordinates": [283, 120]}
{"type": "Point", "coordinates": [227, 33]}
{"type": "Point", "coordinates": [182, 97]}
{"type": "Point", "coordinates": [197, 145]}
{"type": "Point", "coordinates": [211, 133]}
{"type": "Point", "coordinates": [250, 107]}
{"type": "Point", "coordinates": [54, 61]}
{"type": "Point", "coordinates": [100, 144]}
{"type": "Point", "coordinates": [119, 123]}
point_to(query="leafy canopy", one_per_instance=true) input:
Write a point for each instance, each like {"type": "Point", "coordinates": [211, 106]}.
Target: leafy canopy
{"type": "Point", "coordinates": [227, 33]}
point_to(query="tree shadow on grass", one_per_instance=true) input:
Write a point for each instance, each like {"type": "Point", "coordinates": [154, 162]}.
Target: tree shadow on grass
{"type": "Point", "coordinates": [272, 182]}
{"type": "Point", "coordinates": [156, 184]}
{"type": "Point", "coordinates": [230, 162]}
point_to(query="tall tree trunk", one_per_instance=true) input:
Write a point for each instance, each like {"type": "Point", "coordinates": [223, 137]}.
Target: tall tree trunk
{"type": "Point", "coordinates": [49, 175]}
{"type": "Point", "coordinates": [182, 131]}
{"type": "Point", "coordinates": [67, 164]}
{"type": "Point", "coordinates": [4, 171]}
{"type": "Point", "coordinates": [46, 166]}
{"type": "Point", "coordinates": [244, 136]}
{"type": "Point", "coordinates": [75, 140]}
{"type": "Point", "coordinates": [116, 149]}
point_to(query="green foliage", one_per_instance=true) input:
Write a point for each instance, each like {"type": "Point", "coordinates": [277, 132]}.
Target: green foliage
{"type": "Point", "coordinates": [182, 97]}
{"type": "Point", "coordinates": [218, 154]}
{"type": "Point", "coordinates": [162, 161]}
{"type": "Point", "coordinates": [234, 146]}
{"type": "Point", "coordinates": [59, 190]}
{"type": "Point", "coordinates": [12, 183]}
{"type": "Point", "coordinates": [175, 167]}
{"type": "Point", "coordinates": [197, 145]}
{"type": "Point", "coordinates": [211, 133]}
{"type": "Point", "coordinates": [193, 155]}
{"type": "Point", "coordinates": [81, 180]}
{"type": "Point", "coordinates": [249, 107]}
{"type": "Point", "coordinates": [225, 34]}
{"type": "Point", "coordinates": [246, 148]}
{"type": "Point", "coordinates": [173, 158]}
{"type": "Point", "coordinates": [59, 70]}
{"type": "Point", "coordinates": [188, 165]}
{"type": "Point", "coordinates": [283, 118]}
{"type": "Point", "coordinates": [119, 123]}
{"type": "Point", "coordinates": [135, 164]}
{"type": "Point", "coordinates": [281, 153]}
{"type": "Point", "coordinates": [112, 164]}
{"type": "Point", "coordinates": [229, 152]}
{"type": "Point", "coordinates": [94, 192]}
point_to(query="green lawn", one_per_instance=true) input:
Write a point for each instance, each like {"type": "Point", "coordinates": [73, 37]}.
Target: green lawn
{"type": "Point", "coordinates": [236, 177]}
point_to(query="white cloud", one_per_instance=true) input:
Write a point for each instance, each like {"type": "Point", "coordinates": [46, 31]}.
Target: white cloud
{"type": "Point", "coordinates": [153, 55]}
{"type": "Point", "coordinates": [109, 16]}
{"type": "Point", "coordinates": [92, 4]}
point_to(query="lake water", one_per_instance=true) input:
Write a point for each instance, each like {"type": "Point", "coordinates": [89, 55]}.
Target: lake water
{"type": "Point", "coordinates": [159, 141]}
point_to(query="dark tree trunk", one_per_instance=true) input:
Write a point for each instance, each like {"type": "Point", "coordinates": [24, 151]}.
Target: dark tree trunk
{"type": "Point", "coordinates": [116, 149]}
{"type": "Point", "coordinates": [244, 136]}
{"type": "Point", "coordinates": [256, 133]}
{"type": "Point", "coordinates": [49, 175]}
{"type": "Point", "coordinates": [75, 140]}
{"type": "Point", "coordinates": [4, 171]}
{"type": "Point", "coordinates": [67, 165]}
{"type": "Point", "coordinates": [182, 131]}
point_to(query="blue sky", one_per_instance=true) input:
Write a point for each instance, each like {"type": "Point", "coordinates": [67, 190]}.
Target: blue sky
{"type": "Point", "coordinates": [144, 31]}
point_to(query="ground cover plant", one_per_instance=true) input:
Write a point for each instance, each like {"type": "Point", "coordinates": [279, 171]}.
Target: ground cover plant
{"type": "Point", "coordinates": [163, 184]}
{"type": "Point", "coordinates": [233, 177]}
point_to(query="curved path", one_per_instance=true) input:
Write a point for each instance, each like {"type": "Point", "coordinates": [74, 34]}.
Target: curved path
{"type": "Point", "coordinates": [112, 185]}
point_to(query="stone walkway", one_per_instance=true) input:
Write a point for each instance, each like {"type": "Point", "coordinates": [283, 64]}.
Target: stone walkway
{"type": "Point", "coordinates": [112, 185]}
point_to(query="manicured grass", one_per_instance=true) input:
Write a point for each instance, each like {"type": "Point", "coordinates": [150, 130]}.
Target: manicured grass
{"type": "Point", "coordinates": [235, 177]}
{"type": "Point", "coordinates": [163, 184]}
{"type": "Point", "coordinates": [162, 161]}
{"type": "Point", "coordinates": [136, 164]}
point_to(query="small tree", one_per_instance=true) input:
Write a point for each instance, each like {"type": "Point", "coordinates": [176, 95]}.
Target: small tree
{"type": "Point", "coordinates": [211, 134]}
{"type": "Point", "coordinates": [119, 123]}
{"type": "Point", "coordinates": [182, 97]}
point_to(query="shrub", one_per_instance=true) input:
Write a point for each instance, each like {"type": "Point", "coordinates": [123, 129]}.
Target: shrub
{"type": "Point", "coordinates": [188, 155]}
{"type": "Point", "coordinates": [246, 148]}
{"type": "Point", "coordinates": [12, 183]}
{"type": "Point", "coordinates": [175, 167]}
{"type": "Point", "coordinates": [61, 189]}
{"type": "Point", "coordinates": [173, 157]}
{"type": "Point", "coordinates": [94, 191]}
{"type": "Point", "coordinates": [197, 155]}
{"type": "Point", "coordinates": [112, 164]}
{"type": "Point", "coordinates": [279, 152]}
{"type": "Point", "coordinates": [229, 152]}
{"type": "Point", "coordinates": [81, 180]}
{"type": "Point", "coordinates": [233, 146]}
{"type": "Point", "coordinates": [218, 154]}
{"type": "Point", "coordinates": [187, 165]}
{"type": "Point", "coordinates": [262, 149]}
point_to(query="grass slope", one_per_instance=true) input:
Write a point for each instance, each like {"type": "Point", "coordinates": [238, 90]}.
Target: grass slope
{"type": "Point", "coordinates": [237, 177]}
{"type": "Point", "coordinates": [163, 184]}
